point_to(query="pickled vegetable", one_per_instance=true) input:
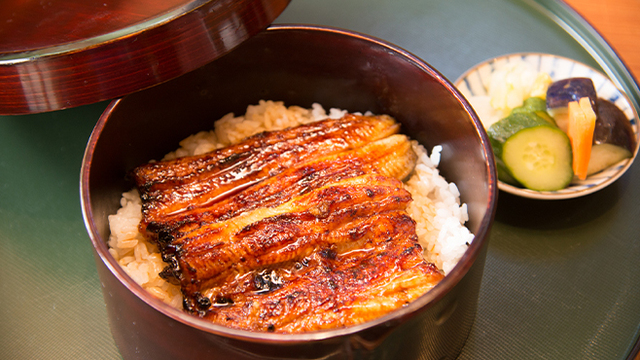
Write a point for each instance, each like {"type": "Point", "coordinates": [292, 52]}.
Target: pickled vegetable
{"type": "Point", "coordinates": [536, 105]}
{"type": "Point", "coordinates": [605, 155]}
{"type": "Point", "coordinates": [560, 93]}
{"type": "Point", "coordinates": [539, 158]}
{"type": "Point", "coordinates": [531, 152]}
{"type": "Point", "coordinates": [541, 147]}
{"type": "Point", "coordinates": [511, 84]}
{"type": "Point", "coordinates": [582, 121]}
{"type": "Point", "coordinates": [613, 127]}
{"type": "Point", "coordinates": [532, 104]}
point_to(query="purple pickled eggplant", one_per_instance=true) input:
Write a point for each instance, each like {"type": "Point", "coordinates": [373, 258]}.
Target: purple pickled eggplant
{"type": "Point", "coordinates": [561, 92]}
{"type": "Point", "coordinates": [612, 126]}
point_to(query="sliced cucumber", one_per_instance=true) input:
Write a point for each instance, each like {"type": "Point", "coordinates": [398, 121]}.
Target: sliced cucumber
{"type": "Point", "coordinates": [532, 104]}
{"type": "Point", "coordinates": [504, 174]}
{"type": "Point", "coordinates": [537, 106]}
{"type": "Point", "coordinates": [531, 152]}
{"type": "Point", "coordinates": [539, 157]}
{"type": "Point", "coordinates": [545, 115]}
{"type": "Point", "coordinates": [502, 130]}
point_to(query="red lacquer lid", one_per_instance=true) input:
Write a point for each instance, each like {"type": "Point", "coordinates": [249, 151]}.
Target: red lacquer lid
{"type": "Point", "coordinates": [57, 54]}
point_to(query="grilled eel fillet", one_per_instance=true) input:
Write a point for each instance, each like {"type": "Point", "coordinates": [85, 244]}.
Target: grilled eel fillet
{"type": "Point", "coordinates": [290, 231]}
{"type": "Point", "coordinates": [332, 287]}
{"type": "Point", "coordinates": [170, 187]}
{"type": "Point", "coordinates": [391, 156]}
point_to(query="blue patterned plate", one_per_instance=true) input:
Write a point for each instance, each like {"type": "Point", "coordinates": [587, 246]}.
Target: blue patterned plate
{"type": "Point", "coordinates": [475, 82]}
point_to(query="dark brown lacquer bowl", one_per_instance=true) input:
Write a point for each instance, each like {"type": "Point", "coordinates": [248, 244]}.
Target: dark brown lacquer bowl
{"type": "Point", "coordinates": [299, 65]}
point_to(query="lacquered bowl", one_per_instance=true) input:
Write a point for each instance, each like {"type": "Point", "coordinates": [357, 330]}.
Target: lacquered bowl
{"type": "Point", "coordinates": [299, 65]}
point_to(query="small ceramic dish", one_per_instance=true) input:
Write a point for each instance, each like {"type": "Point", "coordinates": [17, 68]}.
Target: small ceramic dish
{"type": "Point", "coordinates": [474, 82]}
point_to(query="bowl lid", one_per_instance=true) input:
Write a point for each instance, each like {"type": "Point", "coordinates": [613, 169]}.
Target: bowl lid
{"type": "Point", "coordinates": [61, 54]}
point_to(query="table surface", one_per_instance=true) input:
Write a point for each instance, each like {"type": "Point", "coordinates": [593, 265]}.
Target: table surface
{"type": "Point", "coordinates": [562, 279]}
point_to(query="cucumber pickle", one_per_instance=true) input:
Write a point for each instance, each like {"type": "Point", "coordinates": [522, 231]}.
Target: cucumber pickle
{"type": "Point", "coordinates": [531, 152]}
{"type": "Point", "coordinates": [539, 158]}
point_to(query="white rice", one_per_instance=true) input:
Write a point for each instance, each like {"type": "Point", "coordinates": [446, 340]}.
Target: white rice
{"type": "Point", "coordinates": [436, 207]}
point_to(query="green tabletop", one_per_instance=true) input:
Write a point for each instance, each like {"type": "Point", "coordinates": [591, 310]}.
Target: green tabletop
{"type": "Point", "coordinates": [562, 278]}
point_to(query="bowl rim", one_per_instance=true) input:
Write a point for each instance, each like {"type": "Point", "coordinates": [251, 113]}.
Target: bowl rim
{"type": "Point", "coordinates": [423, 302]}
{"type": "Point", "coordinates": [562, 194]}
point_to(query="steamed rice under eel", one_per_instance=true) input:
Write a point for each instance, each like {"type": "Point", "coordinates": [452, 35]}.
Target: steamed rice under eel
{"type": "Point", "coordinates": [267, 235]}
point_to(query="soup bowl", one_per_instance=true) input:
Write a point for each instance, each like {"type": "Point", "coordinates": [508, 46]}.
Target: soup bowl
{"type": "Point", "coordinates": [299, 65]}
